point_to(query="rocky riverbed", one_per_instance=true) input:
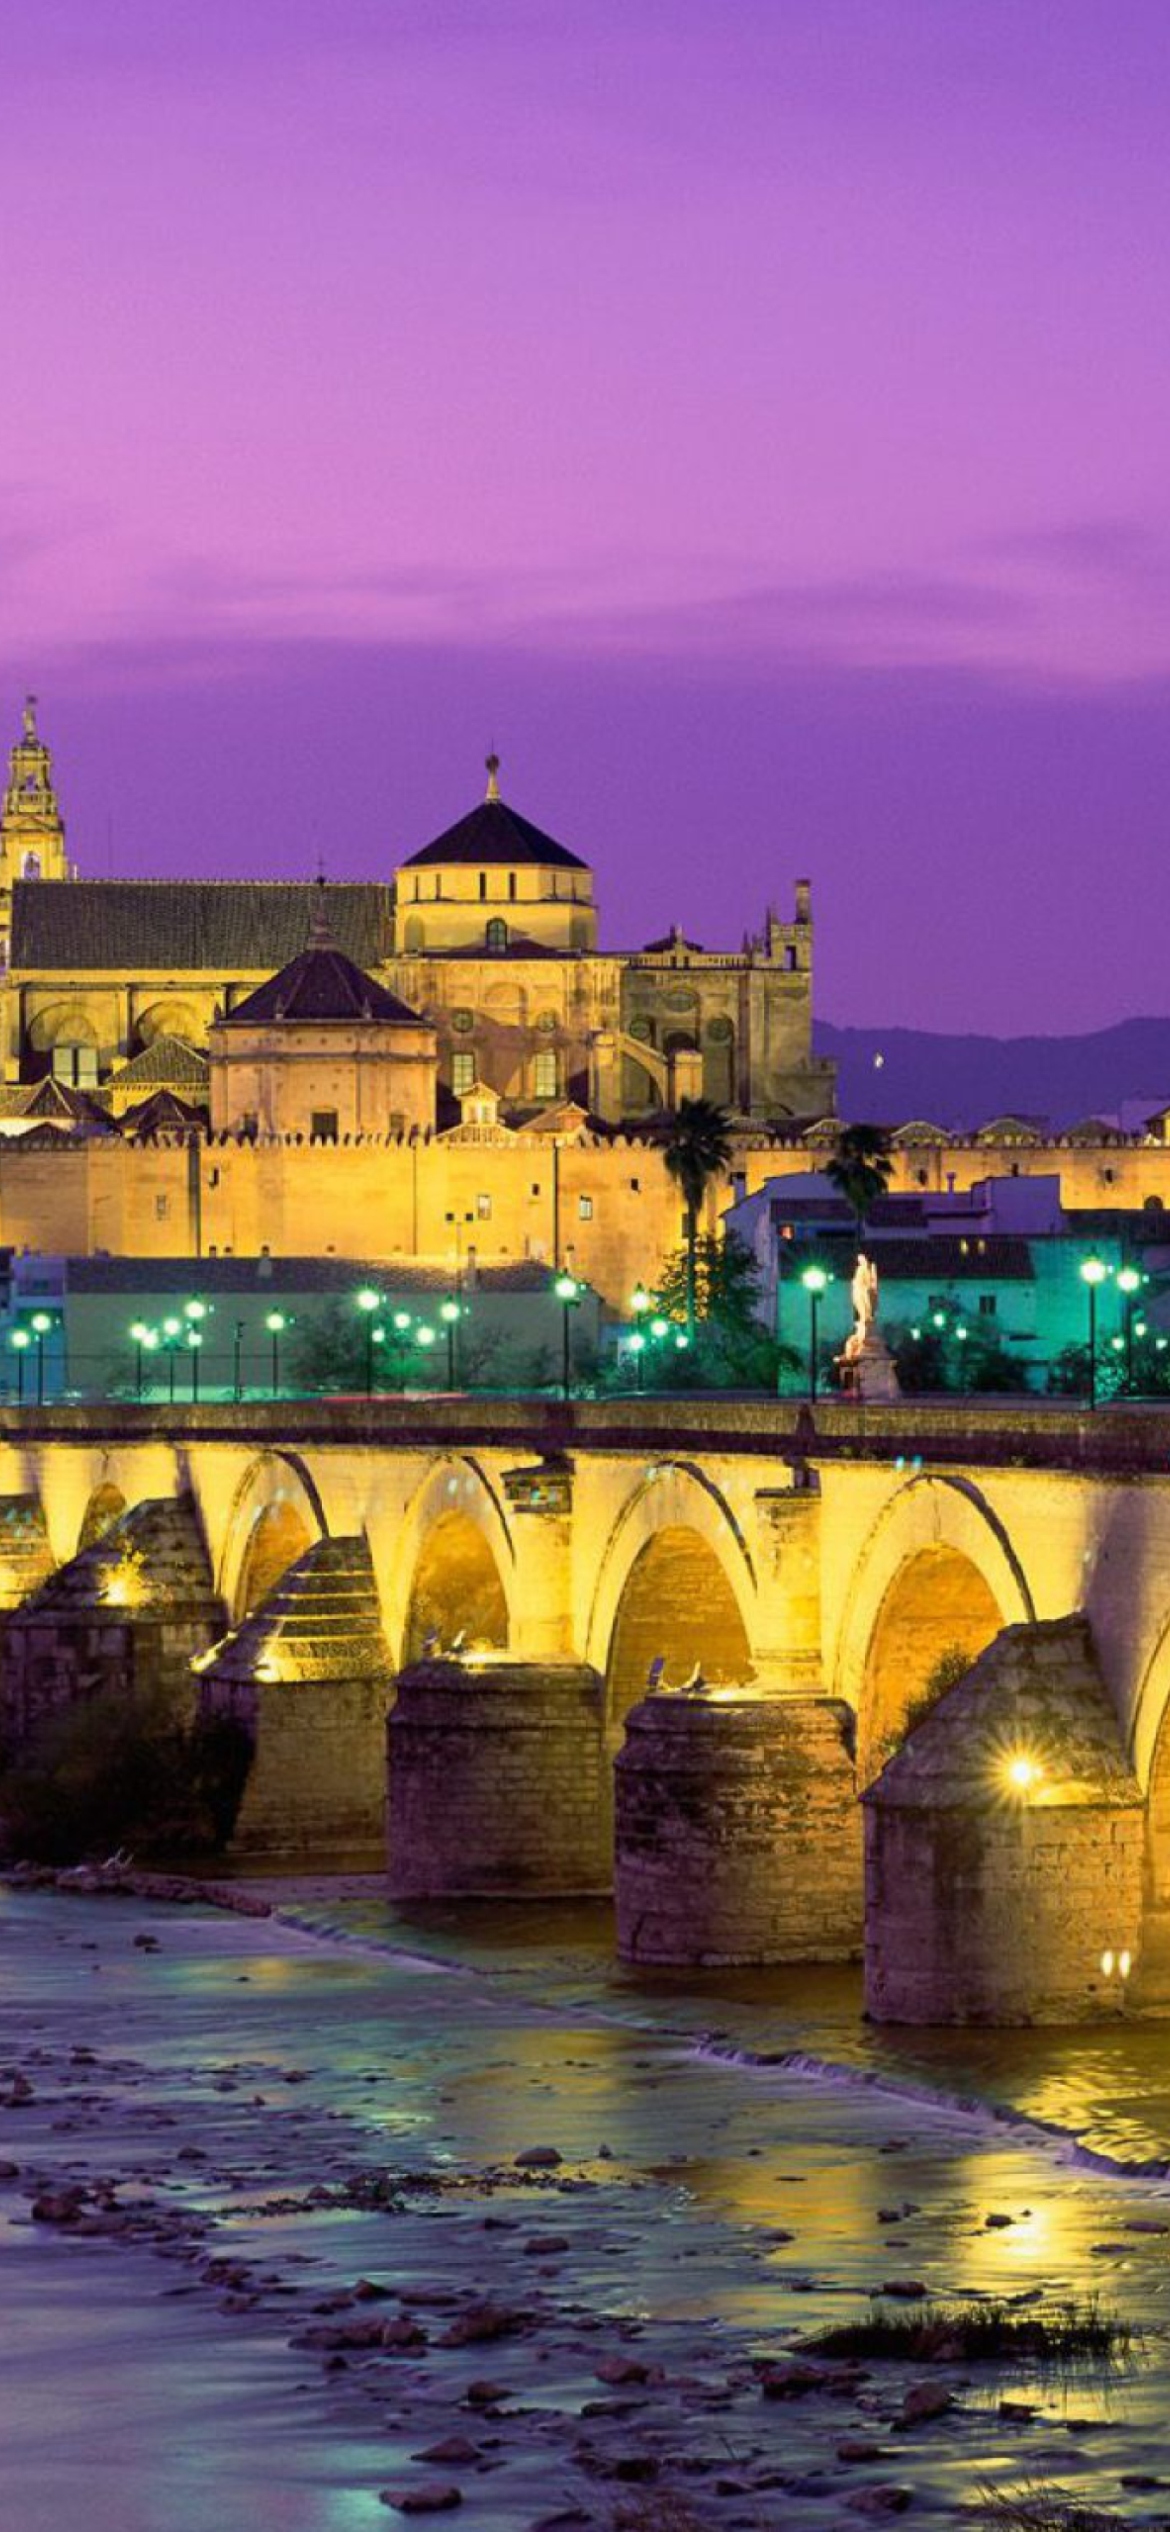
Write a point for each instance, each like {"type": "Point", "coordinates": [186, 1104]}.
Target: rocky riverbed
{"type": "Point", "coordinates": [318, 2221]}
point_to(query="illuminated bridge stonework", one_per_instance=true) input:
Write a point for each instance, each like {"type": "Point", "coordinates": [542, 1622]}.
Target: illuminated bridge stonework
{"type": "Point", "coordinates": [500, 1578]}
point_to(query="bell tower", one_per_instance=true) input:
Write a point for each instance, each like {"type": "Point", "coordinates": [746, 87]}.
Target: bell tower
{"type": "Point", "coordinates": [32, 830]}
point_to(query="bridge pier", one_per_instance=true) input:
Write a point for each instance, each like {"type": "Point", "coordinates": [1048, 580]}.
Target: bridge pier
{"type": "Point", "coordinates": [1005, 1846]}
{"type": "Point", "coordinates": [499, 1780]}
{"type": "Point", "coordinates": [738, 1831]}
{"type": "Point", "coordinates": [125, 1617]}
{"type": "Point", "coordinates": [308, 1678]}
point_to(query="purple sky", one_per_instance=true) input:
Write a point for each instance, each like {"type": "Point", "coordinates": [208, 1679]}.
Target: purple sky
{"type": "Point", "coordinates": [754, 418]}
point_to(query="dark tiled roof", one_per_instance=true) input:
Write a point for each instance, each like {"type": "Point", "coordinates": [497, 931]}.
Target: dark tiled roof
{"type": "Point", "coordinates": [168, 1061]}
{"type": "Point", "coordinates": [492, 832]}
{"type": "Point", "coordinates": [321, 984]}
{"type": "Point", "coordinates": [211, 1275]}
{"type": "Point", "coordinates": [163, 1113]}
{"type": "Point", "coordinates": [946, 1258]}
{"type": "Point", "coordinates": [184, 925]}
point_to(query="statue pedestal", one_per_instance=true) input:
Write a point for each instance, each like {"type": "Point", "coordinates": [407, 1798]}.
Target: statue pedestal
{"type": "Point", "coordinates": [874, 1377]}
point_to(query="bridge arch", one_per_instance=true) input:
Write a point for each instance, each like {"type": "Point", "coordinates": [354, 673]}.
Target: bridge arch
{"type": "Point", "coordinates": [276, 1516]}
{"type": "Point", "coordinates": [451, 1570]}
{"type": "Point", "coordinates": [676, 1581]}
{"type": "Point", "coordinates": [1150, 1753]}
{"type": "Point", "coordinates": [936, 1579]}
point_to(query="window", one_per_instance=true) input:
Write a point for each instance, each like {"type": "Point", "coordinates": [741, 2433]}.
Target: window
{"type": "Point", "coordinates": [77, 1065]}
{"type": "Point", "coordinates": [397, 1121]}
{"type": "Point", "coordinates": [463, 1020]}
{"type": "Point", "coordinates": [536, 1186]}
{"type": "Point", "coordinates": [496, 935]}
{"type": "Point", "coordinates": [462, 1072]}
{"type": "Point", "coordinates": [585, 1208]}
{"type": "Point", "coordinates": [511, 883]}
{"type": "Point", "coordinates": [987, 1305]}
{"type": "Point", "coordinates": [483, 883]}
{"type": "Point", "coordinates": [162, 1206]}
{"type": "Point", "coordinates": [483, 1207]}
{"type": "Point", "coordinates": [249, 1125]}
{"type": "Point", "coordinates": [544, 1074]}
{"type": "Point", "coordinates": [635, 1186]}
{"type": "Point", "coordinates": [323, 1125]}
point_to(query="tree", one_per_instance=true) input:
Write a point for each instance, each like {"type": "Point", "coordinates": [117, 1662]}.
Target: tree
{"type": "Point", "coordinates": [731, 1344]}
{"type": "Point", "coordinates": [698, 1149]}
{"type": "Point", "coordinates": [861, 1168]}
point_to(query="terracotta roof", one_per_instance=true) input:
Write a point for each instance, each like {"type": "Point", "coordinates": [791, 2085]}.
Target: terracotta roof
{"type": "Point", "coordinates": [321, 983]}
{"type": "Point", "coordinates": [494, 833]}
{"type": "Point", "coordinates": [184, 925]}
{"type": "Point", "coordinates": [167, 1062]}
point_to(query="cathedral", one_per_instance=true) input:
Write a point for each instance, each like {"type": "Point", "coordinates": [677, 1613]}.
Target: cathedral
{"type": "Point", "coordinates": [471, 984]}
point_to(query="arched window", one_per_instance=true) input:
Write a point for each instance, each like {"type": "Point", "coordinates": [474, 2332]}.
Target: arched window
{"type": "Point", "coordinates": [496, 934]}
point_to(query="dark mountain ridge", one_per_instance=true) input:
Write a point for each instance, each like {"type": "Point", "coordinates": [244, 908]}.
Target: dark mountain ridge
{"type": "Point", "coordinates": [890, 1075]}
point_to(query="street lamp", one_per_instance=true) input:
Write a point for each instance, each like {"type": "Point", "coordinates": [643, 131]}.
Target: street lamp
{"type": "Point", "coordinates": [639, 1300]}
{"type": "Point", "coordinates": [1129, 1281]}
{"type": "Point", "coordinates": [20, 1340]}
{"type": "Point", "coordinates": [814, 1280]}
{"type": "Point", "coordinates": [172, 1330]}
{"type": "Point", "coordinates": [424, 1335]}
{"type": "Point", "coordinates": [141, 1336]}
{"type": "Point", "coordinates": [369, 1301]}
{"type": "Point", "coordinates": [568, 1292]}
{"type": "Point", "coordinates": [450, 1314]}
{"type": "Point", "coordinates": [238, 1361]}
{"type": "Point", "coordinates": [194, 1341]}
{"type": "Point", "coordinates": [637, 1349]}
{"type": "Point", "coordinates": [41, 1325]}
{"type": "Point", "coordinates": [276, 1323]}
{"type": "Point", "coordinates": [1093, 1274]}
{"type": "Point", "coordinates": [961, 1342]}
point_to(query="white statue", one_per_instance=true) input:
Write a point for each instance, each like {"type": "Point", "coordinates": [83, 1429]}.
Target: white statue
{"type": "Point", "coordinates": [864, 1293]}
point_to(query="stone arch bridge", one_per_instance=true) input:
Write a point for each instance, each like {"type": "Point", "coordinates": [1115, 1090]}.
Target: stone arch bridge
{"type": "Point", "coordinates": [508, 1577]}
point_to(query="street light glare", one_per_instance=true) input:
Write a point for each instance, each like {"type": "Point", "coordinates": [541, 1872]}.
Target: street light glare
{"type": "Point", "coordinates": [1093, 1270]}
{"type": "Point", "coordinates": [814, 1279]}
{"type": "Point", "coordinates": [367, 1299]}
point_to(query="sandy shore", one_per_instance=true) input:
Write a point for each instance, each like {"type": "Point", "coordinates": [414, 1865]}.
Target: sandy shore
{"type": "Point", "coordinates": [270, 2257]}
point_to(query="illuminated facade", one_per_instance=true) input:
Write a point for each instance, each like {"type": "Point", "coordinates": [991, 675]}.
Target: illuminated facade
{"type": "Point", "coordinates": [488, 936]}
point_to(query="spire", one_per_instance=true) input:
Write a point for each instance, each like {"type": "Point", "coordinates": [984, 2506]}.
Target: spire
{"type": "Point", "coordinates": [32, 835]}
{"type": "Point", "coordinates": [320, 926]}
{"type": "Point", "coordinates": [493, 774]}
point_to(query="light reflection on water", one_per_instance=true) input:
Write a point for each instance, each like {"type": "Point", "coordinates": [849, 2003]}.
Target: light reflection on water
{"type": "Point", "coordinates": [1108, 2088]}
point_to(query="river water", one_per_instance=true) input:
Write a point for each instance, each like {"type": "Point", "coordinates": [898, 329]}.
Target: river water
{"type": "Point", "coordinates": [272, 2110]}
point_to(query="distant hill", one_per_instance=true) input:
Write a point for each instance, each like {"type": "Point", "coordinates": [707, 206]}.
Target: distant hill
{"type": "Point", "coordinates": [957, 1081]}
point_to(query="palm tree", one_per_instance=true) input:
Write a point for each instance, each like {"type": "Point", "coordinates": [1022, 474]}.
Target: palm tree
{"type": "Point", "coordinates": [698, 1150]}
{"type": "Point", "coordinates": [861, 1168]}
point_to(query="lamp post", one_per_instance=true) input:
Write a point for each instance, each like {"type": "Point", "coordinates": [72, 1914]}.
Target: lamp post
{"type": "Point", "coordinates": [568, 1292]}
{"type": "Point", "coordinates": [449, 1312]}
{"type": "Point", "coordinates": [172, 1330]}
{"type": "Point", "coordinates": [369, 1301]}
{"type": "Point", "coordinates": [238, 1361]}
{"type": "Point", "coordinates": [194, 1341]}
{"type": "Point", "coordinates": [1129, 1281]}
{"type": "Point", "coordinates": [140, 1334]}
{"type": "Point", "coordinates": [424, 1336]}
{"type": "Point", "coordinates": [41, 1325]}
{"type": "Point", "coordinates": [961, 1342]}
{"type": "Point", "coordinates": [402, 1331]}
{"type": "Point", "coordinates": [814, 1280]}
{"type": "Point", "coordinates": [20, 1341]}
{"type": "Point", "coordinates": [638, 1350]}
{"type": "Point", "coordinates": [276, 1323]}
{"type": "Point", "coordinates": [1093, 1274]}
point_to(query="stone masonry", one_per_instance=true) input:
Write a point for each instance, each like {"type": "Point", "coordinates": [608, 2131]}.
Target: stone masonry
{"type": "Point", "coordinates": [498, 1781]}
{"type": "Point", "coordinates": [1004, 1846]}
{"type": "Point", "coordinates": [738, 1831]}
